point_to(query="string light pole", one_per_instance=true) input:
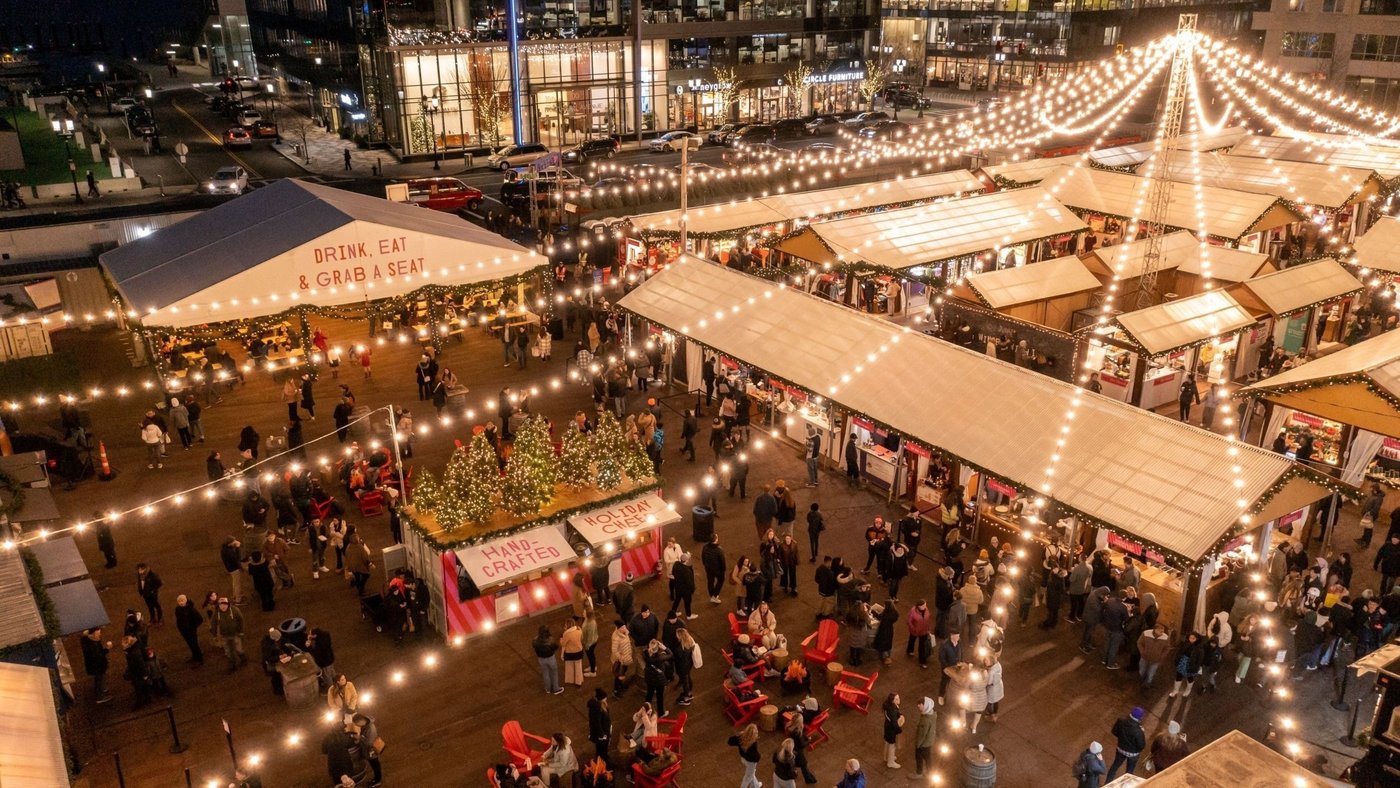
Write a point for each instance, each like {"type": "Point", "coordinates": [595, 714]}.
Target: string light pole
{"type": "Point", "coordinates": [1159, 192]}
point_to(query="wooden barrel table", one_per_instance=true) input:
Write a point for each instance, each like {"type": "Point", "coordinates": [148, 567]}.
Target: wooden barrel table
{"type": "Point", "coordinates": [833, 672]}
{"type": "Point", "coordinates": [768, 718]}
{"type": "Point", "coordinates": [979, 768]}
{"type": "Point", "coordinates": [778, 659]}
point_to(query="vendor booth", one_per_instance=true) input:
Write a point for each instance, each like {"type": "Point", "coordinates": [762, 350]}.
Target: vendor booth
{"type": "Point", "coordinates": [945, 240]}
{"type": "Point", "coordinates": [509, 569]}
{"type": "Point", "coordinates": [1046, 293]}
{"type": "Point", "coordinates": [1302, 307]}
{"type": "Point", "coordinates": [1142, 357]}
{"type": "Point", "coordinates": [1372, 153]}
{"type": "Point", "coordinates": [1236, 759]}
{"type": "Point", "coordinates": [1239, 218]}
{"type": "Point", "coordinates": [1378, 250]}
{"type": "Point", "coordinates": [31, 742]}
{"type": "Point", "coordinates": [1135, 153]}
{"type": "Point", "coordinates": [1130, 480]}
{"type": "Point", "coordinates": [1181, 267]}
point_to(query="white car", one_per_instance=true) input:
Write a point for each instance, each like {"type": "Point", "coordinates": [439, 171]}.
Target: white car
{"type": "Point", "coordinates": [228, 180]}
{"type": "Point", "coordinates": [124, 103]}
{"type": "Point", "coordinates": [508, 156]}
{"type": "Point", "coordinates": [673, 140]}
{"type": "Point", "coordinates": [247, 83]}
{"type": "Point", "coordinates": [249, 118]}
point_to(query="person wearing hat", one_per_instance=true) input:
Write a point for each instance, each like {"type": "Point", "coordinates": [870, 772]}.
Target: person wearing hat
{"type": "Point", "coordinates": [924, 735]}
{"type": "Point", "coordinates": [683, 585]}
{"type": "Point", "coordinates": [273, 649]}
{"type": "Point", "coordinates": [1169, 747]}
{"type": "Point", "coordinates": [1131, 742]}
{"type": "Point", "coordinates": [1088, 767]}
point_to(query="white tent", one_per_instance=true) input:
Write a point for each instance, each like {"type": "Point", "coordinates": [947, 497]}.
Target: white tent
{"type": "Point", "coordinates": [1379, 248]}
{"type": "Point", "coordinates": [1184, 322]}
{"type": "Point", "coordinates": [1151, 477]}
{"type": "Point", "coordinates": [1028, 171]}
{"type": "Point", "coordinates": [1321, 185]}
{"type": "Point", "coordinates": [1136, 153]}
{"type": "Point", "coordinates": [928, 234]}
{"type": "Point", "coordinates": [738, 216]}
{"type": "Point", "coordinates": [1325, 149]}
{"type": "Point", "coordinates": [31, 746]}
{"type": "Point", "coordinates": [1296, 288]}
{"type": "Point", "coordinates": [293, 243]}
{"type": "Point", "coordinates": [1035, 282]}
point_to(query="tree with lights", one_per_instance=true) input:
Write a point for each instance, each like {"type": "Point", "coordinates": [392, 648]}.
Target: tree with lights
{"type": "Point", "coordinates": [531, 470]}
{"type": "Point", "coordinates": [576, 457]}
{"type": "Point", "coordinates": [482, 479]}
{"type": "Point", "coordinates": [426, 492]}
{"type": "Point", "coordinates": [486, 103]}
{"type": "Point", "coordinates": [636, 463]}
{"type": "Point", "coordinates": [609, 451]}
{"type": "Point", "coordinates": [871, 86]}
{"type": "Point", "coordinates": [727, 86]}
{"type": "Point", "coordinates": [795, 80]}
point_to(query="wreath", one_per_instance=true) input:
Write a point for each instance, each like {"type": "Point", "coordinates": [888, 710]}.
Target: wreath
{"type": "Point", "coordinates": [11, 495]}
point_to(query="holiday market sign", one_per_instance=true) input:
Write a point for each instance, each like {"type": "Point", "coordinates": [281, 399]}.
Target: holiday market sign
{"type": "Point", "coordinates": [616, 522]}
{"type": "Point", "coordinates": [530, 552]}
{"type": "Point", "coordinates": [359, 261]}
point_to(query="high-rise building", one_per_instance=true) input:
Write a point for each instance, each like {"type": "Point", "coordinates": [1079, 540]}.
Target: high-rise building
{"type": "Point", "coordinates": [455, 75]}
{"type": "Point", "coordinates": [1008, 44]}
{"type": "Point", "coordinates": [1352, 44]}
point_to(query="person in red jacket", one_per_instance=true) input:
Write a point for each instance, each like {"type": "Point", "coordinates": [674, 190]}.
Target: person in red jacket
{"type": "Point", "coordinates": [919, 621]}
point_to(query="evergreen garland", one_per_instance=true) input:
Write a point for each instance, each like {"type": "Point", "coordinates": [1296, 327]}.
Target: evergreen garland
{"type": "Point", "coordinates": [609, 451]}
{"type": "Point", "coordinates": [531, 471]}
{"type": "Point", "coordinates": [575, 457]}
{"type": "Point", "coordinates": [483, 475]}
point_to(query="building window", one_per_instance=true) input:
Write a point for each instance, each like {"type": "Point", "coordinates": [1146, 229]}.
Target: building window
{"type": "Point", "coordinates": [1381, 7]}
{"type": "Point", "coordinates": [1381, 93]}
{"type": "Point", "coordinates": [1333, 6]}
{"type": "Point", "coordinates": [1317, 45]}
{"type": "Point", "coordinates": [1385, 49]}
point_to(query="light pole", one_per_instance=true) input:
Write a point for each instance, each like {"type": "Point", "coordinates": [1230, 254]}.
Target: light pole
{"type": "Point", "coordinates": [272, 92]}
{"type": "Point", "coordinates": [430, 108]}
{"type": "Point", "coordinates": [63, 127]}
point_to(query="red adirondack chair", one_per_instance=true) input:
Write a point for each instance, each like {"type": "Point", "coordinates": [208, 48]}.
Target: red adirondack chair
{"type": "Point", "coordinates": [670, 733]}
{"type": "Point", "coordinates": [820, 647]}
{"type": "Point", "coordinates": [754, 671]}
{"type": "Point", "coordinates": [641, 779]}
{"type": "Point", "coordinates": [739, 711]}
{"type": "Point", "coordinates": [816, 729]}
{"type": "Point", "coordinates": [853, 690]}
{"type": "Point", "coordinates": [371, 503]}
{"type": "Point", "coordinates": [736, 627]}
{"type": "Point", "coordinates": [517, 744]}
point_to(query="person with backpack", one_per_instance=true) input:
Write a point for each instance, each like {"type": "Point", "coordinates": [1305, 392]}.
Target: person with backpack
{"type": "Point", "coordinates": [1088, 769]}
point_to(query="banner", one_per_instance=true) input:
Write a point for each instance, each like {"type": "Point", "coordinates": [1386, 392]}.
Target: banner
{"type": "Point", "coordinates": [505, 559]}
{"type": "Point", "coordinates": [604, 525]}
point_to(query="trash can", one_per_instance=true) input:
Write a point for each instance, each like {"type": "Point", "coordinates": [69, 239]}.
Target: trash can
{"type": "Point", "coordinates": [299, 679]}
{"type": "Point", "coordinates": [702, 524]}
{"type": "Point", "coordinates": [979, 767]}
{"type": "Point", "coordinates": [293, 632]}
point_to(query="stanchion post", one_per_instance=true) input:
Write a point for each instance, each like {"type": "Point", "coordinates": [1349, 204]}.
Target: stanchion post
{"type": "Point", "coordinates": [1340, 702]}
{"type": "Point", "coordinates": [117, 761]}
{"type": "Point", "coordinates": [175, 744]}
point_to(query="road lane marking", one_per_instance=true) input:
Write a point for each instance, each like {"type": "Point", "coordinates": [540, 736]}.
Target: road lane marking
{"type": "Point", "coordinates": [252, 173]}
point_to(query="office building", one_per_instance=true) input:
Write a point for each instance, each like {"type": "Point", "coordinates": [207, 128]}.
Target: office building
{"type": "Point", "coordinates": [1352, 44]}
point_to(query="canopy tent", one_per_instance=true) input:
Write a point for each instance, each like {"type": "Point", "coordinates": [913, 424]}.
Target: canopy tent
{"type": "Point", "coordinates": [1152, 478]}
{"type": "Point", "coordinates": [929, 234]}
{"type": "Point", "coordinates": [1136, 153]}
{"type": "Point", "coordinates": [1239, 760]}
{"type": "Point", "coordinates": [1026, 284]}
{"type": "Point", "coordinates": [611, 524]}
{"type": "Point", "coordinates": [1185, 322]}
{"type": "Point", "coordinates": [735, 217]}
{"type": "Point", "coordinates": [1232, 214]}
{"type": "Point", "coordinates": [20, 621]}
{"type": "Point", "coordinates": [293, 243]}
{"type": "Point", "coordinates": [1379, 248]}
{"type": "Point", "coordinates": [1339, 151]}
{"type": "Point", "coordinates": [1022, 173]}
{"type": "Point", "coordinates": [1322, 185]}
{"type": "Point", "coordinates": [1294, 289]}
{"type": "Point", "coordinates": [31, 744]}
{"type": "Point", "coordinates": [71, 591]}
{"type": "Point", "coordinates": [1357, 385]}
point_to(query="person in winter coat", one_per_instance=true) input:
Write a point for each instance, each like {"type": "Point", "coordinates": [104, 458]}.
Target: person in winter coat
{"type": "Point", "coordinates": [974, 699]}
{"type": "Point", "coordinates": [260, 572]}
{"type": "Point", "coordinates": [796, 731]}
{"type": "Point", "coordinates": [226, 623]}
{"type": "Point", "coordinates": [1056, 585]}
{"type": "Point", "coordinates": [546, 649]}
{"type": "Point", "coordinates": [96, 663]}
{"type": "Point", "coordinates": [180, 420]}
{"type": "Point", "coordinates": [996, 689]}
{"type": "Point", "coordinates": [154, 440]}
{"type": "Point", "coordinates": [1113, 616]}
{"type": "Point", "coordinates": [894, 725]}
{"type": "Point", "coordinates": [148, 585]}
{"type": "Point", "coordinates": [815, 525]}
{"type": "Point", "coordinates": [949, 655]}
{"type": "Point", "coordinates": [920, 622]}
{"type": "Point", "coordinates": [1131, 742]}
{"type": "Point", "coordinates": [883, 642]}
{"type": "Point", "coordinates": [924, 736]}
{"type": "Point", "coordinates": [712, 559]}
{"type": "Point", "coordinates": [657, 671]}
{"type": "Point", "coordinates": [571, 644]}
{"type": "Point", "coordinates": [1170, 747]}
{"type": "Point", "coordinates": [899, 569]}
{"type": "Point", "coordinates": [857, 620]}
{"type": "Point", "coordinates": [787, 559]}
{"type": "Point", "coordinates": [1077, 586]}
{"type": "Point", "coordinates": [1387, 562]}
{"type": "Point", "coordinates": [600, 724]}
{"type": "Point", "coordinates": [683, 585]}
{"type": "Point", "coordinates": [1091, 612]}
{"type": "Point", "coordinates": [188, 620]}
{"type": "Point", "coordinates": [1089, 768]}
{"type": "Point", "coordinates": [1189, 659]}
{"type": "Point", "coordinates": [852, 777]}
{"type": "Point", "coordinates": [138, 670]}
{"type": "Point", "coordinates": [1153, 646]}
{"type": "Point", "coordinates": [358, 563]}
{"type": "Point", "coordinates": [746, 741]}
{"type": "Point", "coordinates": [621, 649]}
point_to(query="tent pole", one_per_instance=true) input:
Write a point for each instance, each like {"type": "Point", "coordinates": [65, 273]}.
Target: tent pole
{"type": "Point", "coordinates": [398, 455]}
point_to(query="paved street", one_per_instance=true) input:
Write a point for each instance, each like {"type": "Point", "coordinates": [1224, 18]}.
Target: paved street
{"type": "Point", "coordinates": [442, 724]}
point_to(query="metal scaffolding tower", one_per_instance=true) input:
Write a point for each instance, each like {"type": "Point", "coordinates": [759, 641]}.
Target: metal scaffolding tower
{"type": "Point", "coordinates": [1160, 186]}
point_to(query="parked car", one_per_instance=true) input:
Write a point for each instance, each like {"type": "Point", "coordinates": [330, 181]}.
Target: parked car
{"type": "Point", "coordinates": [895, 92]}
{"type": "Point", "coordinates": [619, 182]}
{"type": "Point", "coordinates": [217, 103]}
{"type": "Point", "coordinates": [123, 104]}
{"type": "Point", "coordinates": [516, 194]}
{"type": "Point", "coordinates": [264, 130]}
{"type": "Point", "coordinates": [790, 129]}
{"type": "Point", "coordinates": [824, 149]}
{"type": "Point", "coordinates": [823, 125]}
{"type": "Point", "coordinates": [444, 194]}
{"type": "Point", "coordinates": [508, 156]}
{"type": "Point", "coordinates": [754, 134]}
{"type": "Point", "coordinates": [989, 104]}
{"type": "Point", "coordinates": [141, 123]}
{"type": "Point", "coordinates": [228, 180]}
{"type": "Point", "coordinates": [697, 169]}
{"type": "Point", "coordinates": [865, 119]}
{"type": "Point", "coordinates": [238, 137]}
{"type": "Point", "coordinates": [249, 117]}
{"type": "Point", "coordinates": [757, 152]}
{"type": "Point", "coordinates": [885, 130]}
{"type": "Point", "coordinates": [674, 140]}
{"type": "Point", "coordinates": [600, 148]}
{"type": "Point", "coordinates": [716, 136]}
{"type": "Point", "coordinates": [247, 84]}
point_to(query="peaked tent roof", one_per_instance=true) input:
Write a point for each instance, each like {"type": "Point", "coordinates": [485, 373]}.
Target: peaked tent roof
{"type": "Point", "coordinates": [1135, 153]}
{"type": "Point", "coordinates": [1184, 322]}
{"type": "Point", "coordinates": [31, 745]}
{"type": "Point", "coordinates": [293, 242]}
{"type": "Point", "coordinates": [1028, 171]}
{"type": "Point", "coordinates": [1379, 247]}
{"type": "Point", "coordinates": [1025, 284]}
{"type": "Point", "coordinates": [1379, 155]}
{"type": "Point", "coordinates": [927, 234]}
{"type": "Point", "coordinates": [1357, 385]}
{"type": "Point", "coordinates": [1151, 477]}
{"type": "Point", "coordinates": [1296, 288]}
{"type": "Point", "coordinates": [1180, 251]}
{"type": "Point", "coordinates": [1323, 185]}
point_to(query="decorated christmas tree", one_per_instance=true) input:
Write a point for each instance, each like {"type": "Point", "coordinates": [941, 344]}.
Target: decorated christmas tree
{"type": "Point", "coordinates": [483, 480]}
{"type": "Point", "coordinates": [636, 463]}
{"type": "Point", "coordinates": [609, 451]}
{"type": "Point", "coordinates": [531, 471]}
{"type": "Point", "coordinates": [448, 500]}
{"type": "Point", "coordinates": [576, 458]}
{"type": "Point", "coordinates": [426, 491]}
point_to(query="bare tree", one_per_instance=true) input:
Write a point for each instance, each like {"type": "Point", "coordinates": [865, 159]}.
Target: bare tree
{"type": "Point", "coordinates": [727, 86]}
{"type": "Point", "coordinates": [796, 80]}
{"type": "Point", "coordinates": [486, 103]}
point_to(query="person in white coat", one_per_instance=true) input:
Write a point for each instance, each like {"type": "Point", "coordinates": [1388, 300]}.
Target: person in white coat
{"type": "Point", "coordinates": [669, 557]}
{"type": "Point", "coordinates": [974, 696]}
{"type": "Point", "coordinates": [996, 690]}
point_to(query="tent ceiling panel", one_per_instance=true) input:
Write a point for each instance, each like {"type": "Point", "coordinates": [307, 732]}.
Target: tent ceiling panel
{"type": "Point", "coordinates": [31, 745]}
{"type": "Point", "coordinates": [1185, 322]}
{"type": "Point", "coordinates": [1379, 247]}
{"type": "Point", "coordinates": [1035, 282]}
{"type": "Point", "coordinates": [293, 243]}
{"type": "Point", "coordinates": [926, 234]}
{"type": "Point", "coordinates": [1342, 152]}
{"type": "Point", "coordinates": [1287, 291]}
{"type": "Point", "coordinates": [1152, 477]}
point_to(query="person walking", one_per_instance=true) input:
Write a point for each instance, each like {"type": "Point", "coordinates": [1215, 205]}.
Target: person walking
{"type": "Point", "coordinates": [785, 765]}
{"type": "Point", "coordinates": [96, 662]}
{"type": "Point", "coordinates": [371, 745]}
{"type": "Point", "coordinates": [600, 724]}
{"type": "Point", "coordinates": [92, 185]}
{"type": "Point", "coordinates": [920, 623]}
{"type": "Point", "coordinates": [358, 563]}
{"type": "Point", "coordinates": [894, 725]}
{"type": "Point", "coordinates": [227, 625]}
{"type": "Point", "coordinates": [765, 510]}
{"type": "Point", "coordinates": [105, 542]}
{"type": "Point", "coordinates": [1131, 742]}
{"type": "Point", "coordinates": [1387, 562]}
{"type": "Point", "coordinates": [683, 586]}
{"type": "Point", "coordinates": [1088, 767]}
{"type": "Point", "coordinates": [746, 742]}
{"type": "Point", "coordinates": [1114, 618]}
{"type": "Point", "coordinates": [308, 396]}
{"type": "Point", "coordinates": [815, 525]}
{"type": "Point", "coordinates": [688, 657]}
{"type": "Point", "coordinates": [196, 412]}
{"type": "Point", "coordinates": [346, 154]}
{"type": "Point", "coordinates": [1153, 645]}
{"type": "Point", "coordinates": [148, 585]}
{"type": "Point", "coordinates": [180, 420]}
{"type": "Point", "coordinates": [546, 652]}
{"type": "Point", "coordinates": [260, 572]}
{"type": "Point", "coordinates": [716, 569]}
{"type": "Point", "coordinates": [924, 736]}
{"type": "Point", "coordinates": [690, 427]}
{"type": "Point", "coordinates": [657, 671]}
{"type": "Point", "coordinates": [188, 620]}
{"type": "Point", "coordinates": [1188, 665]}
{"type": "Point", "coordinates": [153, 438]}
{"type": "Point", "coordinates": [231, 555]}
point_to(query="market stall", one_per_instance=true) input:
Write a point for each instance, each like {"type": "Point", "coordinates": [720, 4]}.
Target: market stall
{"type": "Point", "coordinates": [1153, 482]}
{"type": "Point", "coordinates": [31, 742]}
{"type": "Point", "coordinates": [1047, 293]}
{"type": "Point", "coordinates": [1135, 153]}
{"type": "Point", "coordinates": [1380, 155]}
{"type": "Point", "coordinates": [1181, 266]}
{"type": "Point", "coordinates": [1142, 357]}
{"type": "Point", "coordinates": [945, 240]}
{"type": "Point", "coordinates": [1378, 250]}
{"type": "Point", "coordinates": [1235, 759]}
{"type": "Point", "coordinates": [1302, 307]}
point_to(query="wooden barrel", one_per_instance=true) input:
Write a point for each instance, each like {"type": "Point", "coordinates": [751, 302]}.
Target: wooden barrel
{"type": "Point", "coordinates": [979, 768]}
{"type": "Point", "coordinates": [833, 672]}
{"type": "Point", "coordinates": [778, 659]}
{"type": "Point", "coordinates": [768, 718]}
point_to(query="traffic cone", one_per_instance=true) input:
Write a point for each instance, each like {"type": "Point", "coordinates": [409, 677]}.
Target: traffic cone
{"type": "Point", "coordinates": [106, 474]}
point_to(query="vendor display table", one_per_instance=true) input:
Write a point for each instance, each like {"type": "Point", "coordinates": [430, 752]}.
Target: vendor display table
{"type": "Point", "coordinates": [1159, 387]}
{"type": "Point", "coordinates": [879, 465]}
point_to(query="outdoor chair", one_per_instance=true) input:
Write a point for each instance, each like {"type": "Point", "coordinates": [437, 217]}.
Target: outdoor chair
{"type": "Point", "coordinates": [853, 690]}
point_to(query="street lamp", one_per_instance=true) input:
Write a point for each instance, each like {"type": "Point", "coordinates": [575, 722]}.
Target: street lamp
{"type": "Point", "coordinates": [63, 127]}
{"type": "Point", "coordinates": [430, 108]}
{"type": "Point", "coordinates": [272, 91]}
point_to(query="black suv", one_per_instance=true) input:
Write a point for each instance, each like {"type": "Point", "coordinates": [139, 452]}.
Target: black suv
{"type": "Point", "coordinates": [140, 122]}
{"type": "Point", "coordinates": [750, 135]}
{"type": "Point", "coordinates": [791, 129]}
{"type": "Point", "coordinates": [604, 148]}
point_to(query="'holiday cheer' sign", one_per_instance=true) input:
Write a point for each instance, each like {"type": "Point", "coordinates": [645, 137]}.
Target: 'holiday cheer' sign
{"type": "Point", "coordinates": [604, 525]}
